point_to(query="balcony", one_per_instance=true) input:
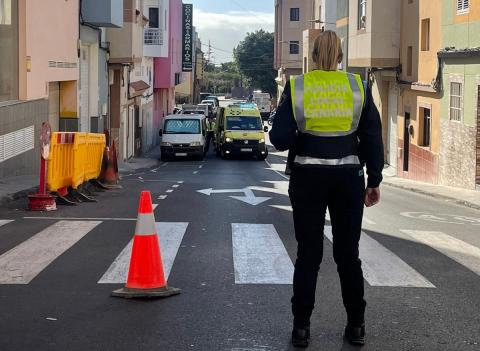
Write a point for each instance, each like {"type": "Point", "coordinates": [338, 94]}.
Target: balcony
{"type": "Point", "coordinates": [105, 13]}
{"type": "Point", "coordinates": [153, 36]}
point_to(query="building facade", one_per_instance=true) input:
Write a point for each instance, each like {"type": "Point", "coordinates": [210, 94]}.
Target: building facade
{"type": "Point", "coordinates": [297, 22]}
{"type": "Point", "coordinates": [125, 79]}
{"type": "Point", "coordinates": [460, 106]}
{"type": "Point", "coordinates": [168, 66]}
{"type": "Point", "coordinates": [419, 95]}
{"type": "Point", "coordinates": [38, 77]}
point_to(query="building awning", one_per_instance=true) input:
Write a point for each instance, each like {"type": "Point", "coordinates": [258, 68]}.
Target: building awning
{"type": "Point", "coordinates": [137, 88]}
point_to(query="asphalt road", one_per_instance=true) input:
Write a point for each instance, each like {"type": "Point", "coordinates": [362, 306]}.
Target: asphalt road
{"type": "Point", "coordinates": [232, 258]}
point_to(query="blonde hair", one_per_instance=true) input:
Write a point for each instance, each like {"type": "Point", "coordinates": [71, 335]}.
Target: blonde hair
{"type": "Point", "coordinates": [327, 51]}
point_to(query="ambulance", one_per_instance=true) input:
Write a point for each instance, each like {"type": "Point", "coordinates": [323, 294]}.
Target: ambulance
{"type": "Point", "coordinates": [240, 132]}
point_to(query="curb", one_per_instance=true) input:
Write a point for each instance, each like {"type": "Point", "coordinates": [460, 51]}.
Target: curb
{"type": "Point", "coordinates": [17, 195]}
{"type": "Point", "coordinates": [434, 195]}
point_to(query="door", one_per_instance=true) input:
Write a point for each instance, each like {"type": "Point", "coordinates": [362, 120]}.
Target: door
{"type": "Point", "coordinates": [130, 131]}
{"type": "Point", "coordinates": [84, 109]}
{"type": "Point", "coordinates": [406, 142]}
{"type": "Point", "coordinates": [392, 126]}
{"type": "Point", "coordinates": [477, 181]}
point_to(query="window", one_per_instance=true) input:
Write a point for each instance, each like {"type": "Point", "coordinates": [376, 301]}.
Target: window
{"type": "Point", "coordinates": [426, 34]}
{"type": "Point", "coordinates": [153, 17]}
{"type": "Point", "coordinates": [455, 101]}
{"type": "Point", "coordinates": [294, 47]}
{"type": "Point", "coordinates": [244, 123]}
{"type": "Point", "coordinates": [426, 120]}
{"type": "Point", "coordinates": [362, 14]}
{"type": "Point", "coordinates": [294, 14]}
{"type": "Point", "coordinates": [409, 60]}
{"type": "Point", "coordinates": [463, 6]}
{"type": "Point", "coordinates": [182, 126]}
{"type": "Point", "coordinates": [9, 50]}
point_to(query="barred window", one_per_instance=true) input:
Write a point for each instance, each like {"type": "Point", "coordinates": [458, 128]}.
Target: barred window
{"type": "Point", "coordinates": [455, 101]}
{"type": "Point", "coordinates": [463, 6]}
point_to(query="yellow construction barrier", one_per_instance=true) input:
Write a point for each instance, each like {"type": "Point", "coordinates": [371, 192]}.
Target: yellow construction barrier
{"type": "Point", "coordinates": [74, 159]}
{"type": "Point", "coordinates": [60, 161]}
{"type": "Point", "coordinates": [95, 145]}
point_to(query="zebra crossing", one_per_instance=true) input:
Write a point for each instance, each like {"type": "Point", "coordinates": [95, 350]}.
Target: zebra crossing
{"type": "Point", "coordinates": [258, 254]}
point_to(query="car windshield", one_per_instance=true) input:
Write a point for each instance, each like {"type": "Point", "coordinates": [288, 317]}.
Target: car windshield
{"type": "Point", "coordinates": [244, 123]}
{"type": "Point", "coordinates": [193, 112]}
{"type": "Point", "coordinates": [182, 126]}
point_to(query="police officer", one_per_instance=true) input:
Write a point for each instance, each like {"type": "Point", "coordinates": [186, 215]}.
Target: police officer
{"type": "Point", "coordinates": [328, 118]}
{"type": "Point", "coordinates": [210, 134]}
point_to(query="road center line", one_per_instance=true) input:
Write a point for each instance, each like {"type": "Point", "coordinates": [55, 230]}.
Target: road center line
{"type": "Point", "coordinates": [22, 263]}
{"type": "Point", "coordinates": [82, 219]}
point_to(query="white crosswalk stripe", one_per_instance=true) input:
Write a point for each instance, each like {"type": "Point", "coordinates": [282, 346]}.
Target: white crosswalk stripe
{"type": "Point", "coordinates": [170, 236]}
{"type": "Point", "coordinates": [259, 256]}
{"type": "Point", "coordinates": [5, 221]}
{"type": "Point", "coordinates": [460, 251]}
{"type": "Point", "coordinates": [381, 267]}
{"type": "Point", "coordinates": [25, 261]}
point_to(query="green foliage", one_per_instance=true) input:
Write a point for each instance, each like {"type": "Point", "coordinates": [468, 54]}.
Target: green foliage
{"type": "Point", "coordinates": [254, 57]}
{"type": "Point", "coordinates": [221, 79]}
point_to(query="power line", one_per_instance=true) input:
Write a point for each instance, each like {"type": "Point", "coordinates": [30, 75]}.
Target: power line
{"type": "Point", "coordinates": [249, 11]}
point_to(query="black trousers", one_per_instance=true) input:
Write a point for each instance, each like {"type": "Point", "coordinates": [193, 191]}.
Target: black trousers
{"type": "Point", "coordinates": [210, 137]}
{"type": "Point", "coordinates": [311, 191]}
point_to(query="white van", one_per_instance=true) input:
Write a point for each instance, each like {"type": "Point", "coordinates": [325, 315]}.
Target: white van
{"type": "Point", "coordinates": [183, 136]}
{"type": "Point", "coordinates": [264, 103]}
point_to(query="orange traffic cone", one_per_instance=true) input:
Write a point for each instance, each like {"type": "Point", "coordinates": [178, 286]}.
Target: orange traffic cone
{"type": "Point", "coordinates": [109, 176]}
{"type": "Point", "coordinates": [145, 276]}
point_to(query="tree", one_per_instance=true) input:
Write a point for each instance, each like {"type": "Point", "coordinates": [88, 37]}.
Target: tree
{"type": "Point", "coordinates": [254, 58]}
{"type": "Point", "coordinates": [220, 79]}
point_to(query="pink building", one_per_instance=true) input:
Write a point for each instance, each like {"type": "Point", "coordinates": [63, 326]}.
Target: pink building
{"type": "Point", "coordinates": [168, 69]}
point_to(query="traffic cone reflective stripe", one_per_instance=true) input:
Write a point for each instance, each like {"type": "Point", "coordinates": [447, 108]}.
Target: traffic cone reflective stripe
{"type": "Point", "coordinates": [146, 277]}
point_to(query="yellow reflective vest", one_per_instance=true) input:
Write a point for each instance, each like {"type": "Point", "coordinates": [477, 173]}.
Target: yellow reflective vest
{"type": "Point", "coordinates": [327, 103]}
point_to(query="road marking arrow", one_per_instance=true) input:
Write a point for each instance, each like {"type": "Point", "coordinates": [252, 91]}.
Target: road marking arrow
{"type": "Point", "coordinates": [249, 197]}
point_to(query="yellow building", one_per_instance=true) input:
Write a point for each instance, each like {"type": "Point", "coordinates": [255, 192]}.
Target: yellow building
{"type": "Point", "coordinates": [419, 98]}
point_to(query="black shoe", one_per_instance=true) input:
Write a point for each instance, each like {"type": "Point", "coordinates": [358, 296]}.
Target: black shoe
{"type": "Point", "coordinates": [355, 335]}
{"type": "Point", "coordinates": [301, 337]}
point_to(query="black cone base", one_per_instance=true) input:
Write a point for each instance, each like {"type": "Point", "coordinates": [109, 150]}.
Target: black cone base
{"type": "Point", "coordinates": [146, 293]}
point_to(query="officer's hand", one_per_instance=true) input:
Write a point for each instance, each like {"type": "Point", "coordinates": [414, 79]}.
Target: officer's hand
{"type": "Point", "coordinates": [372, 197]}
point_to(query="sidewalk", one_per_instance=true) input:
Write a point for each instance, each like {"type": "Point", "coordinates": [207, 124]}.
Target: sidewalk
{"type": "Point", "coordinates": [150, 159]}
{"type": "Point", "coordinates": [13, 188]}
{"type": "Point", "coordinates": [469, 198]}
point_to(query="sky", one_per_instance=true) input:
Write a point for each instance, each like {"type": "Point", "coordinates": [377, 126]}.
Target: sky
{"type": "Point", "coordinates": [226, 22]}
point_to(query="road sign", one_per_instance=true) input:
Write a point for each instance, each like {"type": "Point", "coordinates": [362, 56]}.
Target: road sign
{"type": "Point", "coordinates": [249, 197]}
{"type": "Point", "coordinates": [45, 135]}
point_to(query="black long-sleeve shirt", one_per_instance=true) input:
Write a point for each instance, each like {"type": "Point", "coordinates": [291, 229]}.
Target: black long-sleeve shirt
{"type": "Point", "coordinates": [370, 148]}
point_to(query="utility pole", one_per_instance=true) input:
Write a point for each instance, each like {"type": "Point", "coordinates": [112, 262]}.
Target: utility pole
{"type": "Point", "coordinates": [209, 52]}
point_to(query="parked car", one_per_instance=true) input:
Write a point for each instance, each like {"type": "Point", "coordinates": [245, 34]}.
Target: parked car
{"type": "Point", "coordinates": [183, 135]}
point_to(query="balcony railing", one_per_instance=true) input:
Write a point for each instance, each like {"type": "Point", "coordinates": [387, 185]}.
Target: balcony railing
{"type": "Point", "coordinates": [153, 36]}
